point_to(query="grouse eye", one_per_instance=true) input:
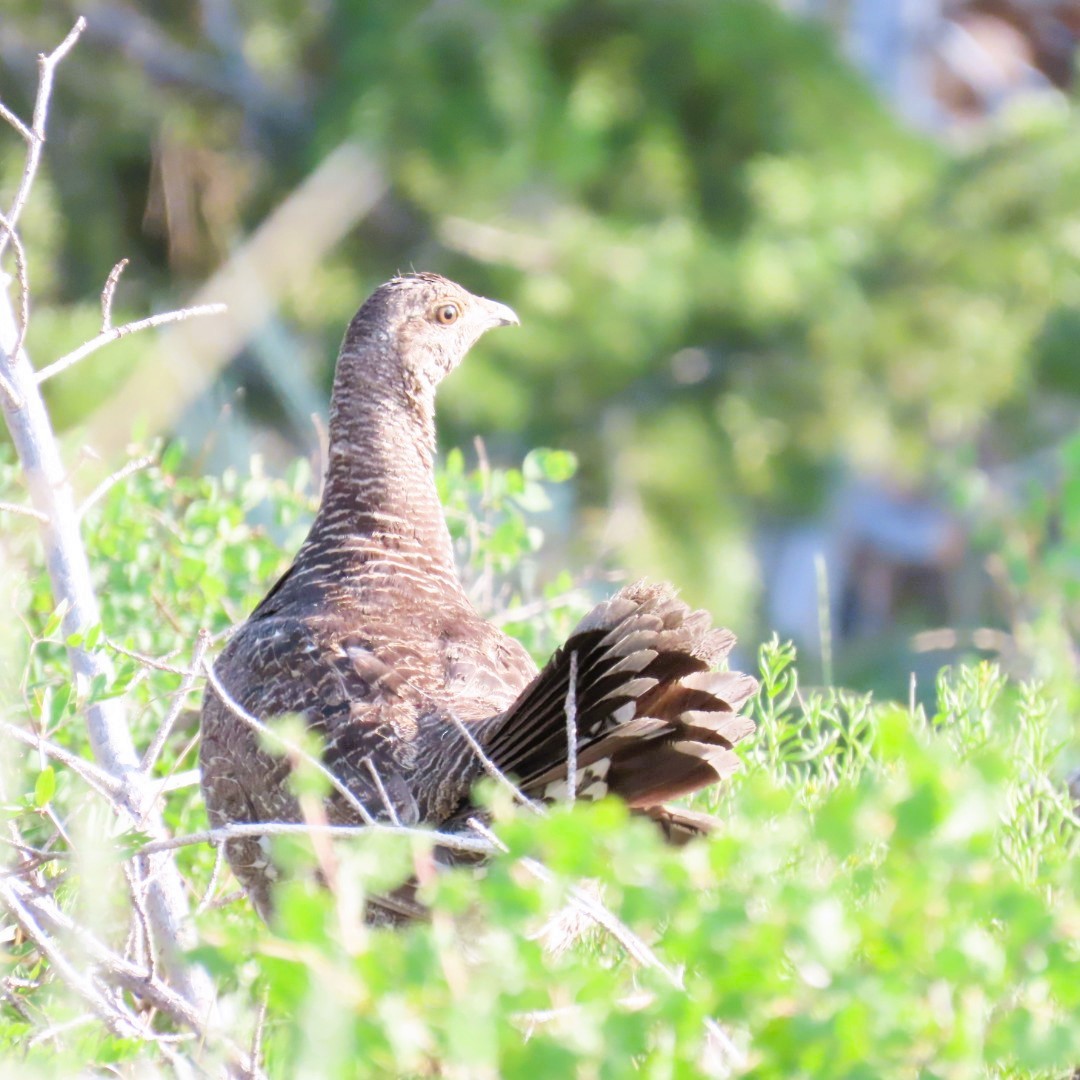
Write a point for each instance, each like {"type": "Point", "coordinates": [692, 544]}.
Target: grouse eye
{"type": "Point", "coordinates": [446, 314]}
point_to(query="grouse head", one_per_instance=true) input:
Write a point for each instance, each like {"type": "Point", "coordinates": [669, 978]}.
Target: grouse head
{"type": "Point", "coordinates": [425, 324]}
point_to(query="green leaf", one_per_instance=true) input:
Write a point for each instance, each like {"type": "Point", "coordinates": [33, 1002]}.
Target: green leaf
{"type": "Point", "coordinates": [554, 466]}
{"type": "Point", "coordinates": [59, 703]}
{"type": "Point", "coordinates": [55, 619]}
{"type": "Point", "coordinates": [44, 787]}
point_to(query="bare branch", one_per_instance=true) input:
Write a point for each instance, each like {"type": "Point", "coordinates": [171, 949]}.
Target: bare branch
{"type": "Point", "coordinates": [153, 752]}
{"type": "Point", "coordinates": [112, 480]}
{"type": "Point", "coordinates": [107, 337]}
{"type": "Point", "coordinates": [36, 141]}
{"type": "Point", "coordinates": [58, 1029]}
{"type": "Point", "coordinates": [22, 279]}
{"type": "Point", "coordinates": [452, 841]}
{"type": "Point", "coordinates": [107, 294]}
{"type": "Point", "coordinates": [570, 708]}
{"type": "Point", "coordinates": [64, 968]}
{"type": "Point", "coordinates": [13, 397]}
{"type": "Point", "coordinates": [41, 919]}
{"type": "Point", "coordinates": [95, 776]}
{"type": "Point", "coordinates": [257, 1036]}
{"type": "Point", "coordinates": [179, 781]}
{"type": "Point", "coordinates": [50, 492]}
{"type": "Point", "coordinates": [211, 887]}
{"type": "Point", "coordinates": [383, 794]}
{"type": "Point", "coordinates": [166, 783]}
{"type": "Point", "coordinates": [24, 511]}
{"type": "Point", "coordinates": [155, 663]}
{"type": "Point", "coordinates": [7, 115]}
{"type": "Point", "coordinates": [491, 768]}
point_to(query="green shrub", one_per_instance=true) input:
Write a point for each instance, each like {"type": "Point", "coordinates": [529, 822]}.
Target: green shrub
{"type": "Point", "coordinates": [891, 893]}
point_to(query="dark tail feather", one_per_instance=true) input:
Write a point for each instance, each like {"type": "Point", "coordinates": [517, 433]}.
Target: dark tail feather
{"type": "Point", "coordinates": [653, 720]}
{"type": "Point", "coordinates": [680, 826]}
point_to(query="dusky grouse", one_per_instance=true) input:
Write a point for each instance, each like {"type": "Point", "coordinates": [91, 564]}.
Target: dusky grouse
{"type": "Point", "coordinates": [370, 636]}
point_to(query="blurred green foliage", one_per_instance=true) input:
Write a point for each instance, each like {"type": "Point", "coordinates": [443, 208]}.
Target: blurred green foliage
{"type": "Point", "coordinates": [736, 270]}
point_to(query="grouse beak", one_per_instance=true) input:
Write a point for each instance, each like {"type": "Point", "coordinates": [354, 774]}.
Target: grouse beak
{"type": "Point", "coordinates": [500, 314]}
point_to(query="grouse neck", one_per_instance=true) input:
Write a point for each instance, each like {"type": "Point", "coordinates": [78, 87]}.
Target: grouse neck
{"type": "Point", "coordinates": [380, 482]}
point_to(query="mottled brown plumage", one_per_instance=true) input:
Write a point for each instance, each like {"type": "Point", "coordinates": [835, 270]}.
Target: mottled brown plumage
{"type": "Point", "coordinates": [370, 636]}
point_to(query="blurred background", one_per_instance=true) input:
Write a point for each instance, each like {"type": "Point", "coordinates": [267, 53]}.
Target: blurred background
{"type": "Point", "coordinates": [799, 281]}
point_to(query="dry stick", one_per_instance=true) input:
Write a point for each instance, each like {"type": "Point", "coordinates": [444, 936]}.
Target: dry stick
{"type": "Point", "coordinates": [257, 1035]}
{"type": "Point", "coordinates": [24, 511]}
{"type": "Point", "coordinates": [7, 115]}
{"type": "Point", "coordinates": [570, 709]}
{"type": "Point", "coordinates": [69, 574]}
{"type": "Point", "coordinates": [35, 134]}
{"type": "Point", "coordinates": [22, 278]}
{"type": "Point", "coordinates": [156, 663]}
{"type": "Point", "coordinates": [101, 781]}
{"type": "Point", "coordinates": [169, 782]}
{"type": "Point", "coordinates": [153, 752]}
{"type": "Point", "coordinates": [524, 612]}
{"type": "Point", "coordinates": [112, 480]}
{"type": "Point", "coordinates": [219, 865]}
{"type": "Point", "coordinates": [457, 842]}
{"type": "Point", "coordinates": [107, 293]}
{"type": "Point", "coordinates": [383, 794]}
{"type": "Point", "coordinates": [177, 781]}
{"type": "Point", "coordinates": [492, 769]}
{"type": "Point", "coordinates": [71, 976]}
{"type": "Point", "coordinates": [107, 337]}
{"type": "Point", "coordinates": [59, 1029]}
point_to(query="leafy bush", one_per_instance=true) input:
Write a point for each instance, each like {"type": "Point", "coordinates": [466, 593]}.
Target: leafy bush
{"type": "Point", "coordinates": [891, 892]}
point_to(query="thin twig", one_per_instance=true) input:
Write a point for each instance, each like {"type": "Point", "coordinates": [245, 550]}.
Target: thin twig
{"type": "Point", "coordinates": [112, 480]}
{"type": "Point", "coordinates": [161, 736]}
{"type": "Point", "coordinates": [219, 865]}
{"type": "Point", "coordinates": [93, 774]}
{"type": "Point", "coordinates": [9, 117]}
{"type": "Point", "coordinates": [156, 663]}
{"type": "Point", "coordinates": [455, 841]}
{"type": "Point", "coordinates": [107, 337]}
{"type": "Point", "coordinates": [32, 911]}
{"type": "Point", "coordinates": [107, 294]}
{"type": "Point", "coordinates": [22, 278]}
{"type": "Point", "coordinates": [525, 612]}
{"type": "Point", "coordinates": [257, 1035]}
{"type": "Point", "coordinates": [58, 1029]}
{"type": "Point", "coordinates": [35, 134]}
{"type": "Point", "coordinates": [144, 937]}
{"type": "Point", "coordinates": [64, 968]}
{"type": "Point", "coordinates": [15, 399]}
{"type": "Point", "coordinates": [39, 854]}
{"type": "Point", "coordinates": [24, 511]}
{"type": "Point", "coordinates": [169, 782]}
{"type": "Point", "coordinates": [491, 768]}
{"type": "Point", "coordinates": [390, 808]}
{"type": "Point", "coordinates": [178, 781]}
{"type": "Point", "coordinates": [570, 708]}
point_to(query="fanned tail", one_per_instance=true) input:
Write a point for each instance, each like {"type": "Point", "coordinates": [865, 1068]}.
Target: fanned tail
{"type": "Point", "coordinates": [653, 720]}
